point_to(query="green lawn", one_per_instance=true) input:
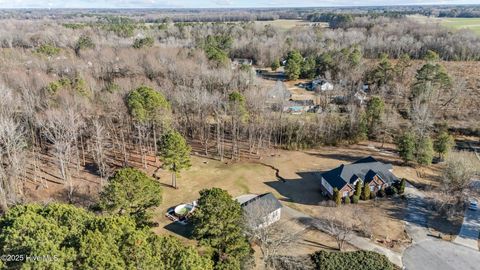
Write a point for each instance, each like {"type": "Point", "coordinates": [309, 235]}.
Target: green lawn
{"type": "Point", "coordinates": [462, 23]}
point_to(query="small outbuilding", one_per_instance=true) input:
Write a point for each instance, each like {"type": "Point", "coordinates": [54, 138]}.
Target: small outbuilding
{"type": "Point", "coordinates": [262, 210]}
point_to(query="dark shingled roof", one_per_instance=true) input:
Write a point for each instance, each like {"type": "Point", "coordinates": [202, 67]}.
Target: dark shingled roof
{"type": "Point", "coordinates": [364, 169]}
{"type": "Point", "coordinates": [266, 199]}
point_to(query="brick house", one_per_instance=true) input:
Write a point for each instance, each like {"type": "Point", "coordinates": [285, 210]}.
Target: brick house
{"type": "Point", "coordinates": [368, 170]}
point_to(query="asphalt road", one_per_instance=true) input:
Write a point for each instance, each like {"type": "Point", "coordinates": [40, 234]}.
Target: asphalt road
{"type": "Point", "coordinates": [434, 254]}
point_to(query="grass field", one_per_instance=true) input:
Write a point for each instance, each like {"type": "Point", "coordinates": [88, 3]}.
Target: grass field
{"type": "Point", "coordinates": [454, 23]}
{"type": "Point", "coordinates": [462, 23]}
{"type": "Point", "coordinates": [285, 25]}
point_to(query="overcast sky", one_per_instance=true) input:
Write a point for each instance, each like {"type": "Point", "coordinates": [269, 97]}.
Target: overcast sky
{"type": "Point", "coordinates": [212, 3]}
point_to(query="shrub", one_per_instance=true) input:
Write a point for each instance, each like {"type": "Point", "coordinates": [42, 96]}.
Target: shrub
{"type": "Point", "coordinates": [337, 198]}
{"type": "Point", "coordinates": [112, 87]}
{"type": "Point", "coordinates": [84, 42]}
{"type": "Point", "coordinates": [80, 86]}
{"type": "Point", "coordinates": [54, 86]}
{"type": "Point", "coordinates": [358, 260]}
{"type": "Point", "coordinates": [391, 190]}
{"type": "Point", "coordinates": [143, 42]}
{"type": "Point", "coordinates": [358, 188]}
{"type": "Point", "coordinates": [373, 195]}
{"type": "Point", "coordinates": [381, 193]}
{"type": "Point", "coordinates": [365, 192]}
{"type": "Point", "coordinates": [275, 64]}
{"type": "Point", "coordinates": [355, 199]}
{"type": "Point", "coordinates": [48, 50]}
{"type": "Point", "coordinates": [347, 200]}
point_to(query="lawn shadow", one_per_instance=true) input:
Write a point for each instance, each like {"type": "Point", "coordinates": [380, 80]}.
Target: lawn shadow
{"type": "Point", "coordinates": [304, 190]}
{"type": "Point", "coordinates": [182, 230]}
{"type": "Point", "coordinates": [317, 245]}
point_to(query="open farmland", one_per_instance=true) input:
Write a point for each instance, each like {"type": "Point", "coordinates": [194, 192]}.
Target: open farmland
{"type": "Point", "coordinates": [462, 23]}
{"type": "Point", "coordinates": [454, 23]}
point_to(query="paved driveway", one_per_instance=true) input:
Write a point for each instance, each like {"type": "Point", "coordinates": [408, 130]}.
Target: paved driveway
{"type": "Point", "coordinates": [428, 253]}
{"type": "Point", "coordinates": [470, 230]}
{"type": "Point", "coordinates": [434, 254]}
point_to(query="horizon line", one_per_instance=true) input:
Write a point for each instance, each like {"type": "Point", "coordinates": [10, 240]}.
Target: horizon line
{"type": "Point", "coordinates": [220, 8]}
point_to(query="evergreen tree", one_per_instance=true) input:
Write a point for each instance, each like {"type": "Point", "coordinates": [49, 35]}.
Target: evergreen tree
{"type": "Point", "coordinates": [347, 200]}
{"type": "Point", "coordinates": [84, 42]}
{"type": "Point", "coordinates": [430, 78]}
{"type": "Point", "coordinates": [365, 192]}
{"type": "Point", "coordinates": [358, 188]}
{"type": "Point", "coordinates": [218, 223]}
{"type": "Point", "coordinates": [383, 73]}
{"type": "Point", "coordinates": [293, 67]}
{"type": "Point", "coordinates": [337, 198]}
{"type": "Point", "coordinates": [308, 69]}
{"type": "Point", "coordinates": [403, 63]}
{"type": "Point", "coordinates": [443, 143]}
{"type": "Point", "coordinates": [275, 64]}
{"type": "Point", "coordinates": [174, 153]}
{"type": "Point", "coordinates": [147, 105]}
{"type": "Point", "coordinates": [406, 146]}
{"type": "Point", "coordinates": [76, 239]}
{"type": "Point", "coordinates": [424, 150]}
{"type": "Point", "coordinates": [373, 114]}
{"type": "Point", "coordinates": [132, 192]}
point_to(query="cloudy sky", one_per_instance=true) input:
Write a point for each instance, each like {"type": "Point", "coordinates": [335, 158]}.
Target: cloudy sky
{"type": "Point", "coordinates": [211, 3]}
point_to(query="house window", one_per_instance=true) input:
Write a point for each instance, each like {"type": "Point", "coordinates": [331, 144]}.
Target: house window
{"type": "Point", "coordinates": [345, 194]}
{"type": "Point", "coordinates": [372, 188]}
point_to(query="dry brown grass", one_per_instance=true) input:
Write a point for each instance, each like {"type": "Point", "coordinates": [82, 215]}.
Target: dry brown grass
{"type": "Point", "coordinates": [300, 190]}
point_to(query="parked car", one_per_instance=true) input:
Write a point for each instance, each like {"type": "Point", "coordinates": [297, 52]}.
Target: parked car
{"type": "Point", "coordinates": [473, 205]}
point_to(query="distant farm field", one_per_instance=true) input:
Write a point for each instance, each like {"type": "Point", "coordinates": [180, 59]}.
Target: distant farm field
{"type": "Point", "coordinates": [462, 23]}
{"type": "Point", "coordinates": [289, 24]}
{"type": "Point", "coordinates": [454, 23]}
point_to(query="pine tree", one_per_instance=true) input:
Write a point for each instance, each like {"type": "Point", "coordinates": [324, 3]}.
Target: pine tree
{"type": "Point", "coordinates": [424, 150]}
{"type": "Point", "coordinates": [174, 153]}
{"type": "Point", "coordinates": [132, 192]}
{"type": "Point", "coordinates": [294, 65]}
{"type": "Point", "coordinates": [443, 144]}
{"type": "Point", "coordinates": [217, 222]}
{"type": "Point", "coordinates": [373, 114]}
{"type": "Point", "coordinates": [406, 146]}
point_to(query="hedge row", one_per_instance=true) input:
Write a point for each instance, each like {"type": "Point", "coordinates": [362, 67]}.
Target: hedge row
{"type": "Point", "coordinates": [358, 260]}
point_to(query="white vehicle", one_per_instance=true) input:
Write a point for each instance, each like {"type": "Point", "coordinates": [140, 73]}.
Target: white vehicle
{"type": "Point", "coordinates": [473, 205]}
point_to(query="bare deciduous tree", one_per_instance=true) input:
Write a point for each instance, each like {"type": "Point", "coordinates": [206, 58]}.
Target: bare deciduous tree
{"type": "Point", "coordinates": [270, 235]}
{"type": "Point", "coordinates": [341, 223]}
{"type": "Point", "coordinates": [458, 174]}
{"type": "Point", "coordinates": [61, 128]}
{"type": "Point", "coordinates": [99, 136]}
